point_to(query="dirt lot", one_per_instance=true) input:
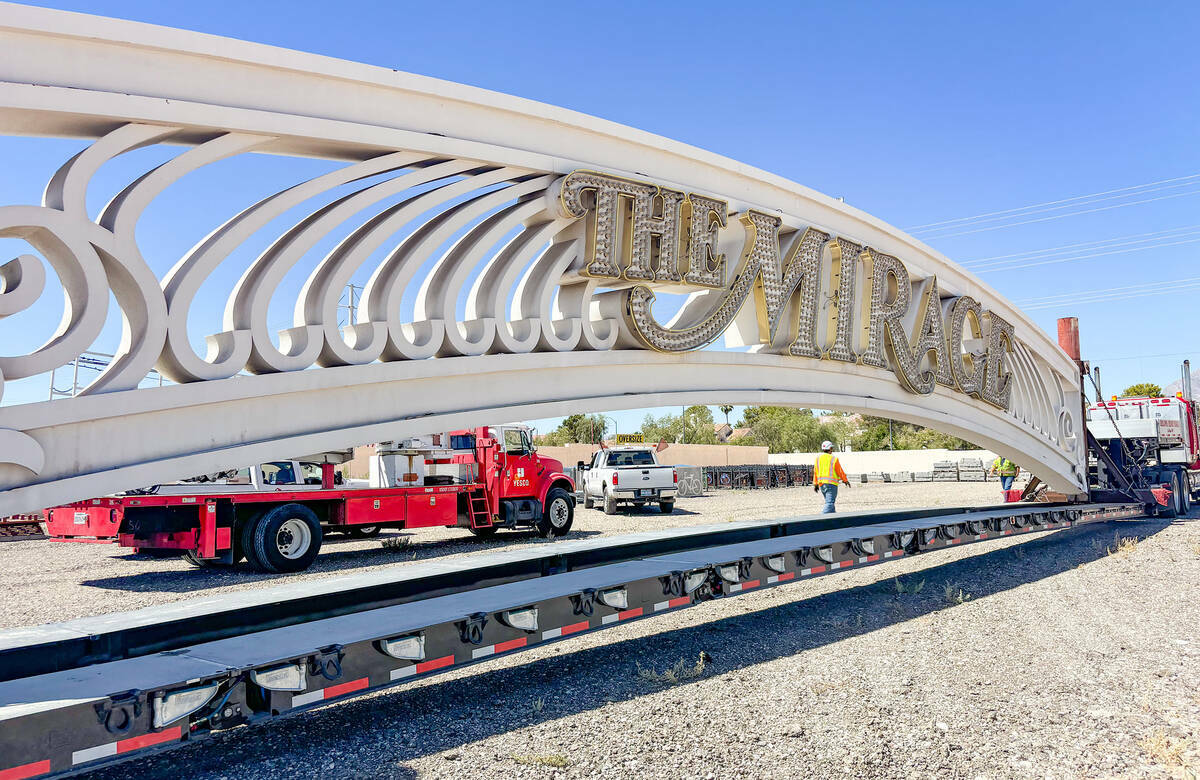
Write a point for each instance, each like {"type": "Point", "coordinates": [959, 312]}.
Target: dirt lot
{"type": "Point", "coordinates": [1069, 654]}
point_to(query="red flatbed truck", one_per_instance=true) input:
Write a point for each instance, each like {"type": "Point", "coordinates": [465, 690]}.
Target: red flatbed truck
{"type": "Point", "coordinates": [496, 480]}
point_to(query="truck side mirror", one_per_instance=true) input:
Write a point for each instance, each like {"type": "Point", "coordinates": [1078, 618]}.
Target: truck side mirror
{"type": "Point", "coordinates": [581, 466]}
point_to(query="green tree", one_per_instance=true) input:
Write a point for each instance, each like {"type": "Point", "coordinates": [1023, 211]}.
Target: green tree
{"type": "Point", "coordinates": [725, 410]}
{"type": "Point", "coordinates": [581, 429]}
{"type": "Point", "coordinates": [666, 428]}
{"type": "Point", "coordinates": [700, 425]}
{"type": "Point", "coordinates": [873, 435]}
{"type": "Point", "coordinates": [1142, 389]}
{"type": "Point", "coordinates": [784, 429]}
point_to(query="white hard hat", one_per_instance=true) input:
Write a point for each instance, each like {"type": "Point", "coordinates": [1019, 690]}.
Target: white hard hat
{"type": "Point", "coordinates": [827, 446]}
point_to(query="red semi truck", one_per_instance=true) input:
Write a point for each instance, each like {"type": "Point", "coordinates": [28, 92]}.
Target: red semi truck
{"type": "Point", "coordinates": [480, 480]}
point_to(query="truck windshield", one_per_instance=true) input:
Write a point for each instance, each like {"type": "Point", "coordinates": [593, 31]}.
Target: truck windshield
{"type": "Point", "coordinates": [631, 458]}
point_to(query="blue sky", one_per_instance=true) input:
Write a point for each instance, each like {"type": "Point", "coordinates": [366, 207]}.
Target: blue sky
{"type": "Point", "coordinates": [916, 113]}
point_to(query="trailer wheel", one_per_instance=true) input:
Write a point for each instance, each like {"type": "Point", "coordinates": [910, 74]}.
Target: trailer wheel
{"type": "Point", "coordinates": [557, 515]}
{"type": "Point", "coordinates": [364, 531]}
{"type": "Point", "coordinates": [1172, 507]}
{"type": "Point", "coordinates": [610, 503]}
{"type": "Point", "coordinates": [284, 539]}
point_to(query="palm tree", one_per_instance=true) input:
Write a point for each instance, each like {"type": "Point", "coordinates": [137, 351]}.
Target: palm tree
{"type": "Point", "coordinates": [726, 409]}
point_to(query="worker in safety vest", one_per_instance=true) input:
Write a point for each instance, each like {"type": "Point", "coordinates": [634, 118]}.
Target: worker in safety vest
{"type": "Point", "coordinates": [826, 476]}
{"type": "Point", "coordinates": [1007, 470]}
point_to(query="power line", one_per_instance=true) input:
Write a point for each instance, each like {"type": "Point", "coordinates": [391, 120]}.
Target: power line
{"type": "Point", "coordinates": [1017, 267]}
{"type": "Point", "coordinates": [1064, 216]}
{"type": "Point", "coordinates": [1106, 290]}
{"type": "Point", "coordinates": [1102, 296]}
{"type": "Point", "coordinates": [1139, 237]}
{"type": "Point", "coordinates": [1052, 202]}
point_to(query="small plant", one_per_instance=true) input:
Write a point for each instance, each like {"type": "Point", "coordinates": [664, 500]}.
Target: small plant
{"type": "Point", "coordinates": [1196, 549]}
{"type": "Point", "coordinates": [1165, 749]}
{"type": "Point", "coordinates": [396, 543]}
{"type": "Point", "coordinates": [1123, 547]}
{"type": "Point", "coordinates": [1018, 551]}
{"type": "Point", "coordinates": [954, 594]}
{"type": "Point", "coordinates": [539, 704]}
{"type": "Point", "coordinates": [904, 587]}
{"type": "Point", "coordinates": [550, 759]}
{"type": "Point", "coordinates": [677, 673]}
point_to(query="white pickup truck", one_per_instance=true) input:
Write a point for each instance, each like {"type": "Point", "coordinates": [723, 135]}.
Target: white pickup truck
{"type": "Point", "coordinates": [629, 475]}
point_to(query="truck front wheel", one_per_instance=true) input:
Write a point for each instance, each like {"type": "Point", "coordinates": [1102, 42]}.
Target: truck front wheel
{"type": "Point", "coordinates": [588, 501]}
{"type": "Point", "coordinates": [557, 515]}
{"type": "Point", "coordinates": [610, 503]}
{"type": "Point", "coordinates": [284, 539]}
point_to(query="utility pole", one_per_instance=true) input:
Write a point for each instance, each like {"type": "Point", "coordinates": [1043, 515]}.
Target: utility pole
{"type": "Point", "coordinates": [683, 425]}
{"type": "Point", "coordinates": [351, 305]}
{"type": "Point", "coordinates": [891, 444]}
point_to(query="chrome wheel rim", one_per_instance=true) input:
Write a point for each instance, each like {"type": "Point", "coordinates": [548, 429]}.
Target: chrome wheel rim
{"type": "Point", "coordinates": [293, 538]}
{"type": "Point", "coordinates": [559, 512]}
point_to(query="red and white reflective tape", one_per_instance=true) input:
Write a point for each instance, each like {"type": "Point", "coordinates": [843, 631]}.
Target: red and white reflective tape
{"type": "Point", "coordinates": [789, 575]}
{"type": "Point", "coordinates": [955, 540]}
{"type": "Point", "coordinates": [25, 770]}
{"type": "Point", "coordinates": [625, 614]}
{"type": "Point", "coordinates": [813, 570]}
{"type": "Point", "coordinates": [840, 565]}
{"type": "Point", "coordinates": [122, 746]}
{"type": "Point", "coordinates": [574, 628]}
{"type": "Point", "coordinates": [747, 585]}
{"type": "Point", "coordinates": [332, 692]}
{"type": "Point", "coordinates": [893, 554]}
{"type": "Point", "coordinates": [869, 559]}
{"type": "Point", "coordinates": [499, 647]}
{"type": "Point", "coordinates": [681, 601]}
{"type": "Point", "coordinates": [422, 667]}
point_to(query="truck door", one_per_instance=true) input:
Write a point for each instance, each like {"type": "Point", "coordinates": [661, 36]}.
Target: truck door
{"type": "Point", "coordinates": [521, 468]}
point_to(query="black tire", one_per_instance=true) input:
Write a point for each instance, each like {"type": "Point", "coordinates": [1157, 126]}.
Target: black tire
{"type": "Point", "coordinates": [266, 537]}
{"type": "Point", "coordinates": [1172, 507]}
{"type": "Point", "coordinates": [364, 531]}
{"type": "Point", "coordinates": [485, 533]}
{"type": "Point", "coordinates": [558, 513]}
{"type": "Point", "coordinates": [610, 503]}
{"type": "Point", "coordinates": [666, 507]}
{"type": "Point", "coordinates": [588, 501]}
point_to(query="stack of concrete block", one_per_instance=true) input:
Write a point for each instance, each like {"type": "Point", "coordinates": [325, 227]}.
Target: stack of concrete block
{"type": "Point", "coordinates": [922, 476]}
{"type": "Point", "coordinates": [945, 471]}
{"type": "Point", "coordinates": [971, 470]}
{"type": "Point", "coordinates": [874, 476]}
{"type": "Point", "coordinates": [902, 476]}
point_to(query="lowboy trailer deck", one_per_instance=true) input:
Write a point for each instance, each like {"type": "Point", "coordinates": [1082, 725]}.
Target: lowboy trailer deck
{"type": "Point", "coordinates": [91, 692]}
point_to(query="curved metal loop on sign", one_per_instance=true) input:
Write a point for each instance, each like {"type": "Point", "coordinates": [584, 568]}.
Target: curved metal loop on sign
{"type": "Point", "coordinates": [480, 226]}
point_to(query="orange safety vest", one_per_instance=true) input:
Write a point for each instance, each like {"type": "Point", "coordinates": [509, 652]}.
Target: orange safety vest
{"type": "Point", "coordinates": [828, 470]}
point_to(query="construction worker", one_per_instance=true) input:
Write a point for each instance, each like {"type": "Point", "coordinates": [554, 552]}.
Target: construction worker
{"type": "Point", "coordinates": [826, 475]}
{"type": "Point", "coordinates": [1007, 470]}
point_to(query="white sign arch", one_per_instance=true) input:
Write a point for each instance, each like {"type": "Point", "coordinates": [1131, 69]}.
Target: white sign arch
{"type": "Point", "coordinates": [558, 229]}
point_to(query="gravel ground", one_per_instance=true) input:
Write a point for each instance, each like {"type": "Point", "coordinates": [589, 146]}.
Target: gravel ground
{"type": "Point", "coordinates": [1065, 654]}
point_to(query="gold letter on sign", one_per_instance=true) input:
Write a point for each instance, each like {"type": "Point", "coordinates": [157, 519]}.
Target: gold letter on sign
{"type": "Point", "coordinates": [929, 339]}
{"type": "Point", "coordinates": [969, 368]}
{"type": "Point", "coordinates": [705, 217]}
{"type": "Point", "coordinates": [997, 386]}
{"type": "Point", "coordinates": [845, 278]}
{"type": "Point", "coordinates": [648, 216]}
{"type": "Point", "coordinates": [891, 293]}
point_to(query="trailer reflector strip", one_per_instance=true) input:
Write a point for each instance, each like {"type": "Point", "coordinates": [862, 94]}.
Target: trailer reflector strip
{"type": "Point", "coordinates": [499, 647]}
{"type": "Point", "coordinates": [125, 745]}
{"type": "Point", "coordinates": [626, 614]}
{"type": "Point", "coordinates": [25, 770]}
{"type": "Point", "coordinates": [422, 667]}
{"type": "Point", "coordinates": [813, 570]}
{"type": "Point", "coordinates": [893, 554]}
{"type": "Point", "coordinates": [840, 565]}
{"type": "Point", "coordinates": [681, 601]}
{"type": "Point", "coordinates": [748, 585]}
{"type": "Point", "coordinates": [791, 575]}
{"type": "Point", "coordinates": [574, 628]}
{"type": "Point", "coordinates": [332, 692]}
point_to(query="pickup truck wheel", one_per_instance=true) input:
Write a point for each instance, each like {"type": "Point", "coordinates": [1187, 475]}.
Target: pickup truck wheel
{"type": "Point", "coordinates": [667, 507]}
{"type": "Point", "coordinates": [610, 503]}
{"type": "Point", "coordinates": [364, 531]}
{"type": "Point", "coordinates": [284, 539]}
{"type": "Point", "coordinates": [588, 501]}
{"type": "Point", "coordinates": [557, 515]}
